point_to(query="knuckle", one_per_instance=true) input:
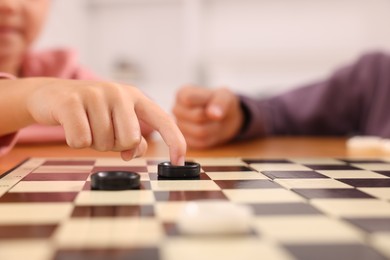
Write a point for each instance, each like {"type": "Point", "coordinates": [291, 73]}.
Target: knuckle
{"type": "Point", "coordinates": [183, 95]}
{"type": "Point", "coordinates": [82, 141]}
{"type": "Point", "coordinates": [115, 90]}
{"type": "Point", "coordinates": [70, 100]}
{"type": "Point", "coordinates": [95, 94]}
{"type": "Point", "coordinates": [198, 117]}
{"type": "Point", "coordinates": [128, 143]}
{"type": "Point", "coordinates": [104, 147]}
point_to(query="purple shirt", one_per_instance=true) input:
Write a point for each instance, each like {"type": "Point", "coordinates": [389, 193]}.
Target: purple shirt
{"type": "Point", "coordinates": [355, 100]}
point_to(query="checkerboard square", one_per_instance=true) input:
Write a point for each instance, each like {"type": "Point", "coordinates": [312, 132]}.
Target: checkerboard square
{"type": "Point", "coordinates": [293, 174]}
{"type": "Point", "coordinates": [331, 193]}
{"type": "Point", "coordinates": [247, 184]}
{"type": "Point", "coordinates": [333, 251]}
{"type": "Point", "coordinates": [371, 225]}
{"type": "Point", "coordinates": [113, 211]}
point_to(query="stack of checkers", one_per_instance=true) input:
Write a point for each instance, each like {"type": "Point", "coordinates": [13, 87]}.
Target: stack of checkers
{"type": "Point", "coordinates": [284, 209]}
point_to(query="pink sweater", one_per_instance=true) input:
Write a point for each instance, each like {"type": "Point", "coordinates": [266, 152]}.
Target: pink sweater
{"type": "Point", "coordinates": [56, 63]}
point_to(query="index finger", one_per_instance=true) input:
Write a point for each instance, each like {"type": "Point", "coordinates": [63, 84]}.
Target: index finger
{"type": "Point", "coordinates": [154, 116]}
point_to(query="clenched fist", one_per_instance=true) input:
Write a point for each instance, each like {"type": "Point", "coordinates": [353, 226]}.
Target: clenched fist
{"type": "Point", "coordinates": [207, 117]}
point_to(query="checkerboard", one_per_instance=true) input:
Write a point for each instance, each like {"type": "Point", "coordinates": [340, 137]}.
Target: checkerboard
{"type": "Point", "coordinates": [304, 208]}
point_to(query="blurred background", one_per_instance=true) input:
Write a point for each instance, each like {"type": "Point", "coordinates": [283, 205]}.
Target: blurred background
{"type": "Point", "coordinates": [257, 47]}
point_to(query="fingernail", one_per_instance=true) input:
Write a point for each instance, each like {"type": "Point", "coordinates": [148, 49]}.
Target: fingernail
{"type": "Point", "coordinates": [181, 161]}
{"type": "Point", "coordinates": [127, 155]}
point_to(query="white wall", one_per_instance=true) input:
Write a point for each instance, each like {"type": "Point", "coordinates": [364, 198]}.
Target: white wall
{"type": "Point", "coordinates": [254, 46]}
{"type": "Point", "coordinates": [281, 43]}
{"type": "Point", "coordinates": [67, 26]}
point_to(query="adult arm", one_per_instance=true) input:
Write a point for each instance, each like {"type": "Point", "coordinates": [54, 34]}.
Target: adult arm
{"type": "Point", "coordinates": [339, 105]}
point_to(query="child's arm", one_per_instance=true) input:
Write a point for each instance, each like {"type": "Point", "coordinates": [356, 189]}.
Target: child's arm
{"type": "Point", "coordinates": [101, 115]}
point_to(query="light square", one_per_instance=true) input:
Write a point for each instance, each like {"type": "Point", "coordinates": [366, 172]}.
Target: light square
{"type": "Point", "coordinates": [262, 196]}
{"type": "Point", "coordinates": [306, 229]}
{"type": "Point", "coordinates": [184, 185]}
{"type": "Point", "coordinates": [26, 249]}
{"type": "Point", "coordinates": [127, 197]}
{"type": "Point", "coordinates": [381, 242]}
{"type": "Point", "coordinates": [373, 166]}
{"type": "Point", "coordinates": [279, 167]}
{"type": "Point", "coordinates": [247, 175]}
{"type": "Point", "coordinates": [225, 161]}
{"type": "Point", "coordinates": [226, 248]}
{"type": "Point", "coordinates": [353, 207]}
{"type": "Point", "coordinates": [169, 211]}
{"type": "Point", "coordinates": [48, 186]}
{"type": "Point", "coordinates": [34, 213]}
{"type": "Point", "coordinates": [152, 168]}
{"type": "Point", "coordinates": [106, 232]}
{"type": "Point", "coordinates": [311, 183]}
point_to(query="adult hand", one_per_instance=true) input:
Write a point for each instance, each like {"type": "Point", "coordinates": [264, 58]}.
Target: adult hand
{"type": "Point", "coordinates": [207, 117]}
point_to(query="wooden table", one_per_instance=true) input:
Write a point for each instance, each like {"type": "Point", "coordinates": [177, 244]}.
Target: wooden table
{"type": "Point", "coordinates": [276, 147]}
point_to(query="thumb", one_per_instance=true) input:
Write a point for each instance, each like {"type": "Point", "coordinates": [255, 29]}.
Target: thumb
{"type": "Point", "coordinates": [219, 104]}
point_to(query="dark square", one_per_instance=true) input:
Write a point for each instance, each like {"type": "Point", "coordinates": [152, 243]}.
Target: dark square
{"type": "Point", "coordinates": [352, 161]}
{"type": "Point", "coordinates": [284, 209]}
{"type": "Point", "coordinates": [386, 173]}
{"type": "Point", "coordinates": [367, 182]}
{"type": "Point", "coordinates": [120, 168]}
{"type": "Point", "coordinates": [69, 162]}
{"type": "Point", "coordinates": [87, 185]}
{"type": "Point", "coordinates": [113, 211]}
{"type": "Point", "coordinates": [293, 174]}
{"type": "Point", "coordinates": [371, 225]}
{"type": "Point", "coordinates": [38, 197]}
{"type": "Point", "coordinates": [26, 231]}
{"type": "Point", "coordinates": [112, 254]}
{"type": "Point", "coordinates": [334, 251]}
{"type": "Point", "coordinates": [145, 185]}
{"type": "Point", "coordinates": [238, 168]}
{"type": "Point", "coordinates": [247, 184]}
{"type": "Point", "coordinates": [171, 229]}
{"type": "Point", "coordinates": [81, 176]}
{"type": "Point", "coordinates": [249, 161]}
{"type": "Point", "coordinates": [189, 195]}
{"type": "Point", "coordinates": [331, 193]}
{"type": "Point", "coordinates": [332, 167]}
{"type": "Point", "coordinates": [154, 177]}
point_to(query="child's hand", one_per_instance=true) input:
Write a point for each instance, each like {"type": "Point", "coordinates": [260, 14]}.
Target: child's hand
{"type": "Point", "coordinates": [207, 117]}
{"type": "Point", "coordinates": [102, 115]}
